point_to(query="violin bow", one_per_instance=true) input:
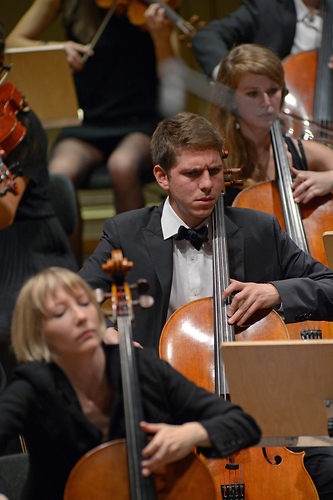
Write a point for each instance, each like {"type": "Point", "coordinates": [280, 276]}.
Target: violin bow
{"type": "Point", "coordinates": [100, 30]}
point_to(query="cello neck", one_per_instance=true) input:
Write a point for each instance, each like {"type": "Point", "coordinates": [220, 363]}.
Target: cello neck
{"type": "Point", "coordinates": [291, 211]}
{"type": "Point", "coordinates": [223, 331]}
{"type": "Point", "coordinates": [323, 95]}
{"type": "Point", "coordinates": [142, 488]}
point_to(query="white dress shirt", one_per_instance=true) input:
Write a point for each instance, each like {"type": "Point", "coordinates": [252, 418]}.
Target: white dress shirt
{"type": "Point", "coordinates": [308, 29]}
{"type": "Point", "coordinates": [192, 276]}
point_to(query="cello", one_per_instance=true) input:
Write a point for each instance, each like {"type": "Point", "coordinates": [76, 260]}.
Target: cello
{"type": "Point", "coordinates": [113, 470]}
{"type": "Point", "coordinates": [308, 106]}
{"type": "Point", "coordinates": [190, 342]}
{"type": "Point", "coordinates": [305, 224]}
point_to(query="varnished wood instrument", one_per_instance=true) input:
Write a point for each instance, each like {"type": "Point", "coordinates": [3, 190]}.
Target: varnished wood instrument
{"type": "Point", "coordinates": [190, 342]}
{"type": "Point", "coordinates": [308, 107]}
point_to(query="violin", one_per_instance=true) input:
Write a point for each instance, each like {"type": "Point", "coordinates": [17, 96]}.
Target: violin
{"type": "Point", "coordinates": [113, 470]}
{"type": "Point", "coordinates": [11, 132]}
{"type": "Point", "coordinates": [135, 11]}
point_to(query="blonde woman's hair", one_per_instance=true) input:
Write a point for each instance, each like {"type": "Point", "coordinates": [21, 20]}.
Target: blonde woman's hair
{"type": "Point", "coordinates": [28, 340]}
{"type": "Point", "coordinates": [246, 58]}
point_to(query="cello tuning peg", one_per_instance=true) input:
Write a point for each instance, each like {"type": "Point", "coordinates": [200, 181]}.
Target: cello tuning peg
{"type": "Point", "coordinates": [236, 183]}
{"type": "Point", "coordinates": [144, 301]}
{"type": "Point", "coordinates": [142, 286]}
{"type": "Point", "coordinates": [230, 171]}
{"type": "Point", "coordinates": [100, 295]}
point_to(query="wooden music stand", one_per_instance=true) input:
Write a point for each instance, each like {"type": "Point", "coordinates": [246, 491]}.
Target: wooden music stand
{"type": "Point", "coordinates": [43, 76]}
{"type": "Point", "coordinates": [287, 386]}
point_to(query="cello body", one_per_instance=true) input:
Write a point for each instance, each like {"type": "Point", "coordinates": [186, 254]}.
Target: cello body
{"type": "Point", "coordinates": [187, 343]}
{"type": "Point", "coordinates": [317, 217]}
{"type": "Point", "coordinates": [298, 109]}
{"type": "Point", "coordinates": [103, 473]}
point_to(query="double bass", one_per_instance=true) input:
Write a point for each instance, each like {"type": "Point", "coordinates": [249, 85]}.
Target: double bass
{"type": "Point", "coordinates": [190, 342]}
{"type": "Point", "coordinates": [308, 107]}
{"type": "Point", "coordinates": [113, 470]}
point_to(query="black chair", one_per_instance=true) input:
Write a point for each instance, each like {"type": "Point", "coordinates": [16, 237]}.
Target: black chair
{"type": "Point", "coordinates": [3, 378]}
{"type": "Point", "coordinates": [13, 474]}
{"type": "Point", "coordinates": [99, 178]}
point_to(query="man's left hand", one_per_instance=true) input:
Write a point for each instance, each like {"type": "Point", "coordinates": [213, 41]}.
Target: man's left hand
{"type": "Point", "coordinates": [249, 298]}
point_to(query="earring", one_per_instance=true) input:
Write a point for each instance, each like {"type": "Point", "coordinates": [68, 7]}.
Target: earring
{"type": "Point", "coordinates": [237, 125]}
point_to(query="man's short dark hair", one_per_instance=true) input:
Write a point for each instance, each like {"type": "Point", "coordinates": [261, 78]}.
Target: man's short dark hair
{"type": "Point", "coordinates": [185, 131]}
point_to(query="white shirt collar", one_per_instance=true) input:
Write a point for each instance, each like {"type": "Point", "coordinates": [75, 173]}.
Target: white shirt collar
{"type": "Point", "coordinates": [302, 11]}
{"type": "Point", "coordinates": [170, 221]}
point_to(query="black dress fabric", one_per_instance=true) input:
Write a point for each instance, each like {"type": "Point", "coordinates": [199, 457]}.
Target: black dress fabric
{"type": "Point", "coordinates": [41, 404]}
{"type": "Point", "coordinates": [36, 239]}
{"type": "Point", "coordinates": [118, 86]}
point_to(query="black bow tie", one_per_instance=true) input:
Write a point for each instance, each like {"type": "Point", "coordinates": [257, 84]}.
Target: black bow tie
{"type": "Point", "coordinates": [196, 236]}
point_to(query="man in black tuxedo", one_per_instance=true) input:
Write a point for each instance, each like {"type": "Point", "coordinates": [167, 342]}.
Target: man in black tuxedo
{"type": "Point", "coordinates": [284, 26]}
{"type": "Point", "coordinates": [267, 269]}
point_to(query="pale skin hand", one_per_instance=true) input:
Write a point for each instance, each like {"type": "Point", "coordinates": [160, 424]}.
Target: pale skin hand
{"type": "Point", "coordinates": [74, 52]}
{"type": "Point", "coordinates": [309, 184]}
{"type": "Point", "coordinates": [171, 443]}
{"type": "Point", "coordinates": [10, 202]}
{"type": "Point", "coordinates": [160, 30]}
{"type": "Point", "coordinates": [3, 497]}
{"type": "Point", "coordinates": [318, 179]}
{"type": "Point", "coordinates": [250, 298]}
{"type": "Point", "coordinates": [159, 26]}
{"type": "Point", "coordinates": [41, 15]}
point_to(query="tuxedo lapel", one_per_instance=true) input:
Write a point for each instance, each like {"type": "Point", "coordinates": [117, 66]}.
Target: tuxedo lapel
{"type": "Point", "coordinates": [235, 243]}
{"type": "Point", "coordinates": [160, 251]}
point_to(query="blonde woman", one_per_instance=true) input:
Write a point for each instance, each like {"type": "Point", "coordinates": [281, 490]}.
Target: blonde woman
{"type": "Point", "coordinates": [66, 397]}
